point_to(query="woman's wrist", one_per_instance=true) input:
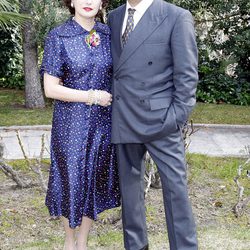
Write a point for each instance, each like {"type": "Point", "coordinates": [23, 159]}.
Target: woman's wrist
{"type": "Point", "coordinates": [94, 97]}
{"type": "Point", "coordinates": [91, 97]}
{"type": "Point", "coordinates": [97, 97]}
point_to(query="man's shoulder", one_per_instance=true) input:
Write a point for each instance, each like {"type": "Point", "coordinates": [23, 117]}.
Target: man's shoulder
{"type": "Point", "coordinates": [117, 10]}
{"type": "Point", "coordinates": [173, 9]}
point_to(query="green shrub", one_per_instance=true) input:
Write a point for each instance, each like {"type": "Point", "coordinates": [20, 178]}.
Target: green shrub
{"type": "Point", "coordinates": [11, 59]}
{"type": "Point", "coordinates": [221, 88]}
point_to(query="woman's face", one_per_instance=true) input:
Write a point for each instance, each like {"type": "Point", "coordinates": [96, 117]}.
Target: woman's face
{"type": "Point", "coordinates": [87, 8]}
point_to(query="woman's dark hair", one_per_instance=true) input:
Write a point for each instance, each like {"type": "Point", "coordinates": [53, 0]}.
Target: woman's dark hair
{"type": "Point", "coordinates": [67, 3]}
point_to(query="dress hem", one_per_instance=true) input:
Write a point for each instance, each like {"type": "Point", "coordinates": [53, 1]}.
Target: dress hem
{"type": "Point", "coordinates": [94, 218]}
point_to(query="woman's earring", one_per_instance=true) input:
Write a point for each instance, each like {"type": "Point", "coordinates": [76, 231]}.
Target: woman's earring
{"type": "Point", "coordinates": [72, 5]}
{"type": "Point", "coordinates": [100, 7]}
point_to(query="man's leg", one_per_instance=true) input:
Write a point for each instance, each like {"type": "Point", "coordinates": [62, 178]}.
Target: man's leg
{"type": "Point", "coordinates": [131, 174]}
{"type": "Point", "coordinates": [169, 156]}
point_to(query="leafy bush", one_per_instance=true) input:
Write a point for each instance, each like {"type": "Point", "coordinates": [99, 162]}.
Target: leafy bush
{"type": "Point", "coordinates": [45, 14]}
{"type": "Point", "coordinates": [216, 86]}
{"type": "Point", "coordinates": [223, 37]}
{"type": "Point", "coordinates": [221, 88]}
{"type": "Point", "coordinates": [11, 60]}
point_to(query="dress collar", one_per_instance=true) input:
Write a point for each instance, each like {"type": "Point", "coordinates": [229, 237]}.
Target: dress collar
{"type": "Point", "coordinates": [72, 28]}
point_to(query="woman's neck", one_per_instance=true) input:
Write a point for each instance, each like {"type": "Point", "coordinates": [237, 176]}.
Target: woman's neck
{"type": "Point", "coordinates": [86, 23]}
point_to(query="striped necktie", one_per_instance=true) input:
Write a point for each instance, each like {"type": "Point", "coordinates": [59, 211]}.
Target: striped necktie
{"type": "Point", "coordinates": [129, 26]}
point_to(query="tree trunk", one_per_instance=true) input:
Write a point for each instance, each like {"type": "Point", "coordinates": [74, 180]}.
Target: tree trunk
{"type": "Point", "coordinates": [33, 91]}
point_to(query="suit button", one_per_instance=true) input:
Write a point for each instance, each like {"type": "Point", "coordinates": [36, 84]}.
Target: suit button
{"type": "Point", "coordinates": [142, 101]}
{"type": "Point", "coordinates": [117, 97]}
{"type": "Point", "coordinates": [150, 63]}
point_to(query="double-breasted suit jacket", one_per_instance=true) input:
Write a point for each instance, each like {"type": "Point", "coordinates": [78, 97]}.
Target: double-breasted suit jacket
{"type": "Point", "coordinates": [155, 74]}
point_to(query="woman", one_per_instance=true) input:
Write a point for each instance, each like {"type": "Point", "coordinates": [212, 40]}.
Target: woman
{"type": "Point", "coordinates": [77, 69]}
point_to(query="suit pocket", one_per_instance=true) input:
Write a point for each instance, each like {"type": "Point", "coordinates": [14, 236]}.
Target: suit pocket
{"type": "Point", "coordinates": [160, 103]}
{"type": "Point", "coordinates": [158, 110]}
{"type": "Point", "coordinates": [162, 117]}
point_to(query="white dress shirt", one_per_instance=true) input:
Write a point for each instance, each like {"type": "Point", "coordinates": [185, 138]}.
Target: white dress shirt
{"type": "Point", "coordinates": [140, 9]}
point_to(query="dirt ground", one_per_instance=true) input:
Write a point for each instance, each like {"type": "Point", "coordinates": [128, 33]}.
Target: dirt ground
{"type": "Point", "coordinates": [25, 224]}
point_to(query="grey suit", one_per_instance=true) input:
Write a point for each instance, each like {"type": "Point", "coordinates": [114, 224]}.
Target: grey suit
{"type": "Point", "coordinates": [154, 84]}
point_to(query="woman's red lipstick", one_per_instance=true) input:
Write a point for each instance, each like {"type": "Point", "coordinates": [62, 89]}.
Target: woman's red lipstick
{"type": "Point", "coordinates": [87, 9]}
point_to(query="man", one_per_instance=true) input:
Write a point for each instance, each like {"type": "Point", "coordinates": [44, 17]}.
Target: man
{"type": "Point", "coordinates": [155, 77]}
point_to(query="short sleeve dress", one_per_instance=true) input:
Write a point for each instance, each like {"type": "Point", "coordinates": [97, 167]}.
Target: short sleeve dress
{"type": "Point", "coordinates": [83, 178]}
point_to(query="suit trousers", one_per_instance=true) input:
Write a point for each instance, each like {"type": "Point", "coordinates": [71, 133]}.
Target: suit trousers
{"type": "Point", "coordinates": [169, 155]}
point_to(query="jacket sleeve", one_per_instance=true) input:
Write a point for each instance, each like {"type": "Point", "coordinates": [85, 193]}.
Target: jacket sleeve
{"type": "Point", "coordinates": [185, 63]}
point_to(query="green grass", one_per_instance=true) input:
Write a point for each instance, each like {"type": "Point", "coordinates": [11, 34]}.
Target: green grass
{"type": "Point", "coordinates": [221, 170]}
{"type": "Point", "coordinates": [221, 114]}
{"type": "Point", "coordinates": [219, 167]}
{"type": "Point", "coordinates": [49, 243]}
{"type": "Point", "coordinates": [13, 112]}
{"type": "Point", "coordinates": [22, 165]}
{"type": "Point", "coordinates": [209, 239]}
{"type": "Point", "coordinates": [224, 238]}
{"type": "Point", "coordinates": [25, 225]}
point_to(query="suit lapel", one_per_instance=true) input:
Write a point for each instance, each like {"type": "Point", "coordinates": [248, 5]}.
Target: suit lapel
{"type": "Point", "coordinates": [118, 28]}
{"type": "Point", "coordinates": [151, 19]}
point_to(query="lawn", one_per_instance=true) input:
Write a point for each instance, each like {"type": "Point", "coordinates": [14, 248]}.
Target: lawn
{"type": "Point", "coordinates": [25, 224]}
{"type": "Point", "coordinates": [13, 112]}
{"type": "Point", "coordinates": [221, 114]}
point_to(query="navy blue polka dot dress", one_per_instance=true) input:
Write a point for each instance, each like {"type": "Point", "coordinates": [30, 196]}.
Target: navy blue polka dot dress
{"type": "Point", "coordinates": [83, 177]}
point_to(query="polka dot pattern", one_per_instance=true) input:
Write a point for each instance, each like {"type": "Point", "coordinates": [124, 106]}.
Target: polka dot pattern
{"type": "Point", "coordinates": [83, 177]}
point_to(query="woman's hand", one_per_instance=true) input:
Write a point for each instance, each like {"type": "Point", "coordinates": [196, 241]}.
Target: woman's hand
{"type": "Point", "coordinates": [105, 98]}
{"type": "Point", "coordinates": [99, 97]}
